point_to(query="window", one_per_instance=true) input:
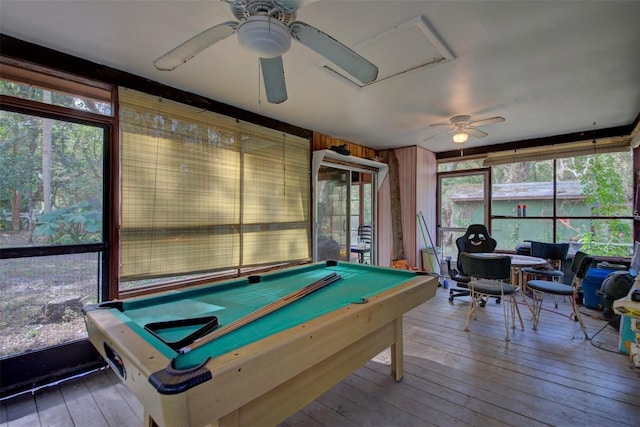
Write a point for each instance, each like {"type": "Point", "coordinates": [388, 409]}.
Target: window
{"type": "Point", "coordinates": [464, 200]}
{"type": "Point", "coordinates": [584, 199]}
{"type": "Point", "coordinates": [204, 193]}
{"type": "Point", "coordinates": [53, 207]}
{"type": "Point", "coordinates": [63, 91]}
{"type": "Point", "coordinates": [600, 219]}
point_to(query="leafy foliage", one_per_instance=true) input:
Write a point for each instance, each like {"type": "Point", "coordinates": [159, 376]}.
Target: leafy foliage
{"type": "Point", "coordinates": [604, 188]}
{"type": "Point", "coordinates": [80, 223]}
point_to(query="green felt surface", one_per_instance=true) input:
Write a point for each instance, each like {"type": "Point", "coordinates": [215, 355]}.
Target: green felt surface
{"type": "Point", "coordinates": [232, 300]}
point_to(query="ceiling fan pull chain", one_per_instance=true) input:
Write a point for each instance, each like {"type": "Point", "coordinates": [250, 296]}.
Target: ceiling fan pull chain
{"type": "Point", "coordinates": [259, 86]}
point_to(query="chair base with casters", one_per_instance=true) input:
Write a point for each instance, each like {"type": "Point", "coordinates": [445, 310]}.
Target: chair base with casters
{"type": "Point", "coordinates": [489, 278]}
{"type": "Point", "coordinates": [539, 288]}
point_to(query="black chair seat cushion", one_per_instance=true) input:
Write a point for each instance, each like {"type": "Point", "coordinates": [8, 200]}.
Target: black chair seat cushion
{"type": "Point", "coordinates": [462, 280]}
{"type": "Point", "coordinates": [492, 287]}
{"type": "Point", "coordinates": [550, 287]}
{"type": "Point", "coordinates": [541, 272]}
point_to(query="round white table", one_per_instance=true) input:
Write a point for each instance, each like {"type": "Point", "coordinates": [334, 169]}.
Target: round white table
{"type": "Point", "coordinates": [517, 262]}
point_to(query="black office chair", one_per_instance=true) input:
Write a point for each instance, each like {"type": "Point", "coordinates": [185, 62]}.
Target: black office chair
{"type": "Point", "coordinates": [364, 238]}
{"type": "Point", "coordinates": [539, 288]}
{"type": "Point", "coordinates": [490, 277]}
{"type": "Point", "coordinates": [475, 240]}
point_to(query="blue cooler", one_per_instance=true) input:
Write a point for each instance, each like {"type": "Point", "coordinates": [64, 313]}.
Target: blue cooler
{"type": "Point", "coordinates": [592, 284]}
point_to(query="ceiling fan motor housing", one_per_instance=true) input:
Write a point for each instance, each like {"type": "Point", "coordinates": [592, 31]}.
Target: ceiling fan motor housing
{"type": "Point", "coordinates": [265, 36]}
{"type": "Point", "coordinates": [460, 120]}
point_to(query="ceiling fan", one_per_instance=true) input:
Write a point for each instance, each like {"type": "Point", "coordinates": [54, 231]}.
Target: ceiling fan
{"type": "Point", "coordinates": [462, 127]}
{"type": "Point", "coordinates": [266, 27]}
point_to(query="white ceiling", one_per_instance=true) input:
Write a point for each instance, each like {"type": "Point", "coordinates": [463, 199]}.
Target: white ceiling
{"type": "Point", "coordinates": [548, 67]}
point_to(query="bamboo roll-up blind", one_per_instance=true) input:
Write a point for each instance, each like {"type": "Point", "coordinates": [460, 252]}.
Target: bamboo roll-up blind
{"type": "Point", "coordinates": [204, 192]}
{"type": "Point", "coordinates": [573, 149]}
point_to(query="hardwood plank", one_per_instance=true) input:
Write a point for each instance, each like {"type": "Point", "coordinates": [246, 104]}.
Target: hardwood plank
{"type": "Point", "coordinates": [352, 411]}
{"type": "Point", "coordinates": [128, 396]}
{"type": "Point", "coordinates": [472, 397]}
{"type": "Point", "coordinates": [384, 412]}
{"type": "Point", "coordinates": [501, 394]}
{"type": "Point", "coordinates": [428, 400]}
{"type": "Point", "coordinates": [3, 413]}
{"type": "Point", "coordinates": [22, 412]}
{"type": "Point", "coordinates": [550, 373]}
{"type": "Point", "coordinates": [325, 415]}
{"type": "Point", "coordinates": [52, 409]}
{"type": "Point", "coordinates": [83, 409]}
{"type": "Point", "coordinates": [111, 403]}
{"type": "Point", "coordinates": [300, 418]}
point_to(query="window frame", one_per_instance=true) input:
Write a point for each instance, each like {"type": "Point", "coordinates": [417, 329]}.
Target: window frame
{"type": "Point", "coordinates": [555, 217]}
{"type": "Point", "coordinates": [26, 370]}
{"type": "Point", "coordinates": [107, 123]}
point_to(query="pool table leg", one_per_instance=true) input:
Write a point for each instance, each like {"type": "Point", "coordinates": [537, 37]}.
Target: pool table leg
{"type": "Point", "coordinates": [397, 351]}
{"type": "Point", "coordinates": [147, 421]}
{"type": "Point", "coordinates": [230, 420]}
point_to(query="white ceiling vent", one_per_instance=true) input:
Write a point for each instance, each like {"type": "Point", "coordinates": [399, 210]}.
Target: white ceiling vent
{"type": "Point", "coordinates": [399, 50]}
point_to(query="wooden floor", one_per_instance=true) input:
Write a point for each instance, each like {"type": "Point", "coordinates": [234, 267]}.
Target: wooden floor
{"type": "Point", "coordinates": [549, 377]}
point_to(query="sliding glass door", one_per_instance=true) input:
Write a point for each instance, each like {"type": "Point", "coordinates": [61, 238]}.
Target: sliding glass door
{"type": "Point", "coordinates": [345, 214]}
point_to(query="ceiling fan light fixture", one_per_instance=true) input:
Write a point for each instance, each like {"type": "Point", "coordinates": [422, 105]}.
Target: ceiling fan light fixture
{"type": "Point", "coordinates": [460, 137]}
{"type": "Point", "coordinates": [265, 36]}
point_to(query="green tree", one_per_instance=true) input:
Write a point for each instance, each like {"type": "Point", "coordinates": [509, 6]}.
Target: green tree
{"type": "Point", "coordinates": [48, 165]}
{"type": "Point", "coordinates": [20, 160]}
{"type": "Point", "coordinates": [604, 187]}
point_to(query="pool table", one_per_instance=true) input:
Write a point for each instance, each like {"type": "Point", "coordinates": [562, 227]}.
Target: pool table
{"type": "Point", "coordinates": [263, 372]}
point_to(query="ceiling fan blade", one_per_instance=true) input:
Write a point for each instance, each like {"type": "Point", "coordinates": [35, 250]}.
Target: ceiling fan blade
{"type": "Point", "coordinates": [487, 121]}
{"type": "Point", "coordinates": [440, 124]}
{"type": "Point", "coordinates": [434, 135]}
{"type": "Point", "coordinates": [196, 44]}
{"type": "Point", "coordinates": [273, 76]}
{"type": "Point", "coordinates": [475, 132]}
{"type": "Point", "coordinates": [292, 5]}
{"type": "Point", "coordinates": [334, 51]}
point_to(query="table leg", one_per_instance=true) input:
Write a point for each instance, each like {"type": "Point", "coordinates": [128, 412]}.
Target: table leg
{"type": "Point", "coordinates": [523, 291]}
{"type": "Point", "coordinates": [397, 351]}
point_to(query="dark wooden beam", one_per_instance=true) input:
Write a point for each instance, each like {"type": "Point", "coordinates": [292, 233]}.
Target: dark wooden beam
{"type": "Point", "coordinates": [29, 52]}
{"type": "Point", "coordinates": [537, 142]}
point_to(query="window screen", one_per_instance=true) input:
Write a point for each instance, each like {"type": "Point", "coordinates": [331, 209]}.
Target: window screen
{"type": "Point", "coordinates": [203, 192]}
